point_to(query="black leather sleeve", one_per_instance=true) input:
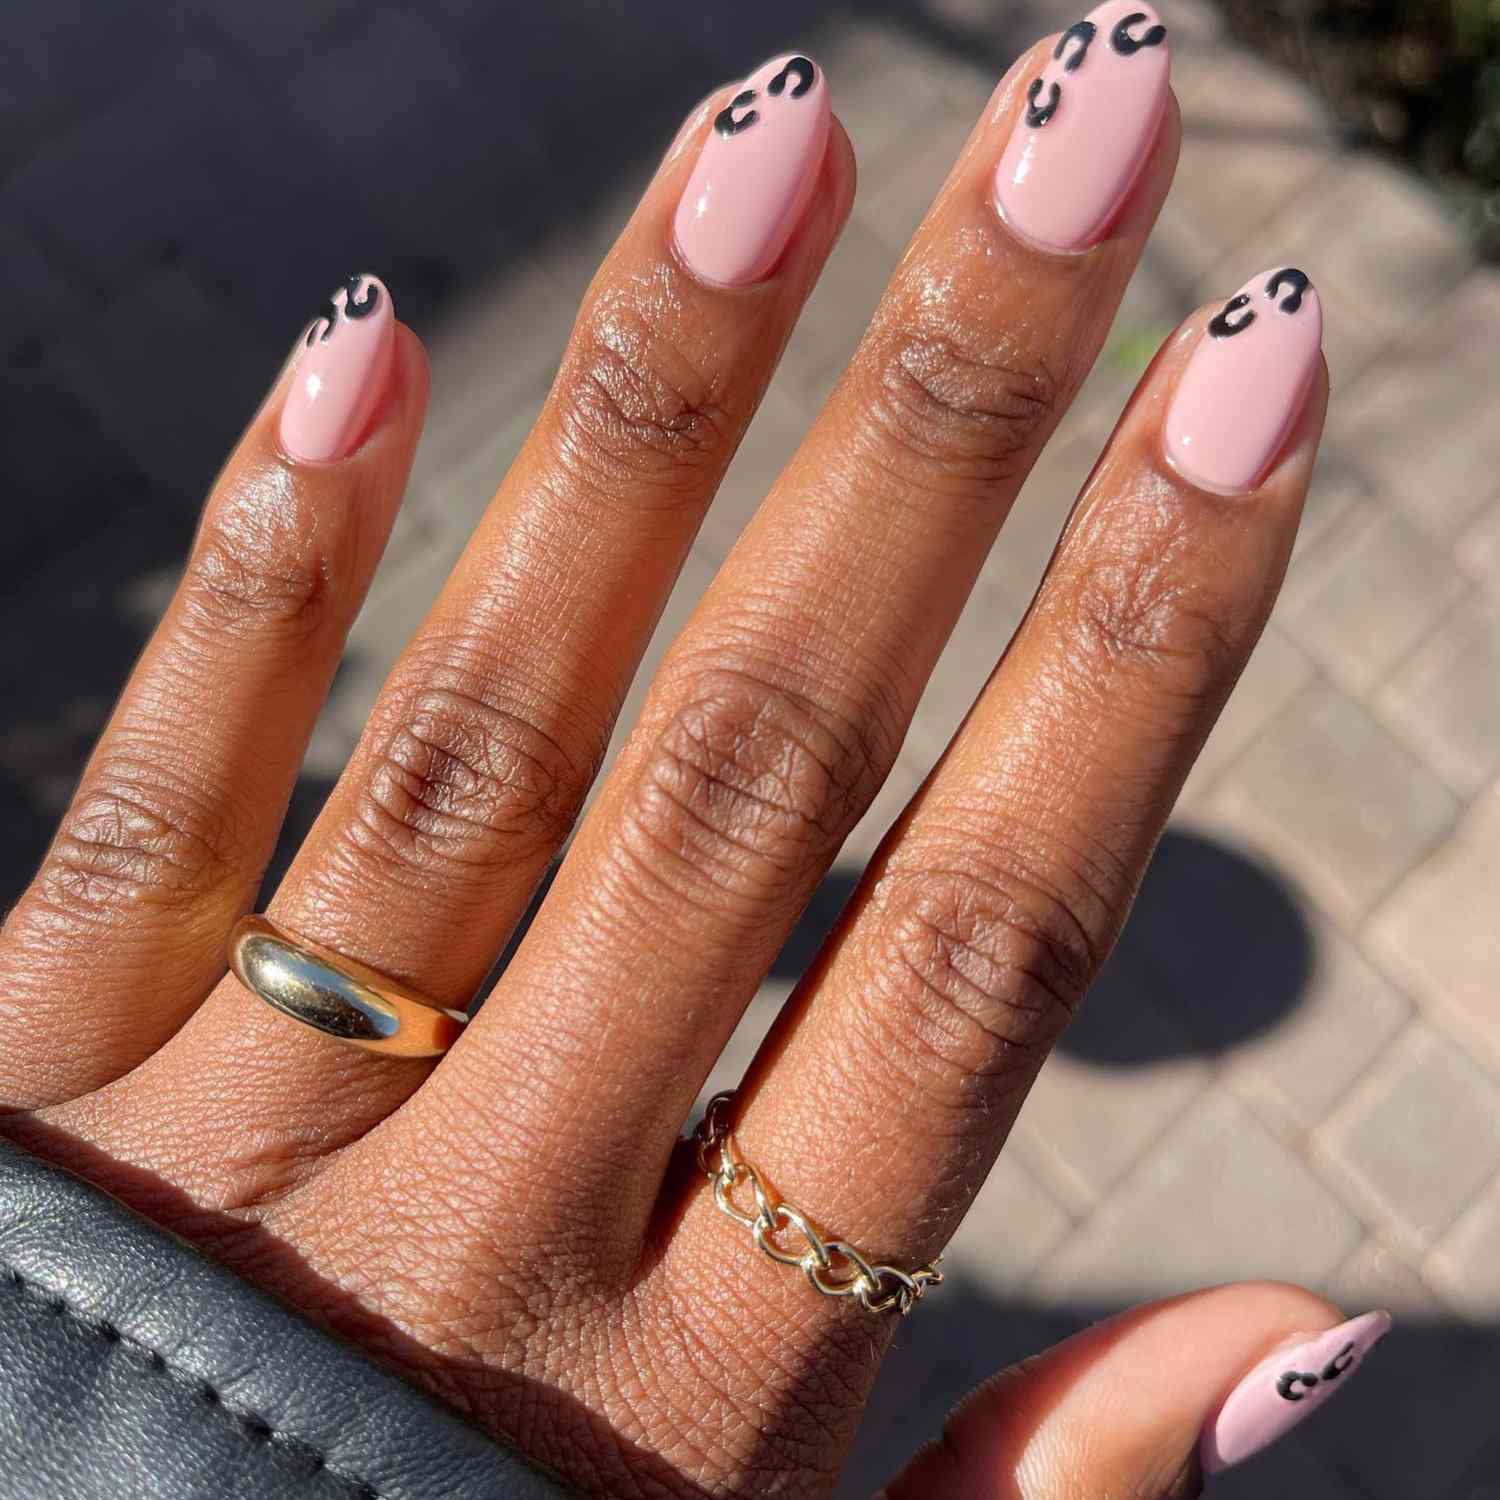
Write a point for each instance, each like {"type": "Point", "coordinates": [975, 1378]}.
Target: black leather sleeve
{"type": "Point", "coordinates": [131, 1366]}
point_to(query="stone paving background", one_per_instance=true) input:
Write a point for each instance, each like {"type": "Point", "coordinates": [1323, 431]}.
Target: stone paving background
{"type": "Point", "coordinates": [1292, 1067]}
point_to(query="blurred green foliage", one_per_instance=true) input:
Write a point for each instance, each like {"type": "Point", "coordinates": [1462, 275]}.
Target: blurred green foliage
{"type": "Point", "coordinates": [1130, 348]}
{"type": "Point", "coordinates": [1420, 76]}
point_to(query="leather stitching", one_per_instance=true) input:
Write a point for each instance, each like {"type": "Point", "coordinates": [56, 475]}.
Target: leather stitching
{"type": "Point", "coordinates": [253, 1425]}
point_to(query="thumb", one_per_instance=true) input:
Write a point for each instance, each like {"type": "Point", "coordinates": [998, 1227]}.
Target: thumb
{"type": "Point", "coordinates": [1147, 1402]}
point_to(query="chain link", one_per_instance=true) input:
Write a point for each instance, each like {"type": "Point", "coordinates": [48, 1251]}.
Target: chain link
{"type": "Point", "coordinates": [834, 1267]}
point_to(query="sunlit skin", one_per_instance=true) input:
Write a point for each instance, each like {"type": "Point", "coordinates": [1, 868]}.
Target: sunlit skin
{"type": "Point", "coordinates": [516, 1226]}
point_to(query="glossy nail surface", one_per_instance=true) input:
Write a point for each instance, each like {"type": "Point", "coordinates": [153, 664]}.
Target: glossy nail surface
{"type": "Point", "coordinates": [756, 173]}
{"type": "Point", "coordinates": [1286, 1388]}
{"type": "Point", "coordinates": [340, 372]}
{"type": "Point", "coordinates": [1086, 127]}
{"type": "Point", "coordinates": [1246, 383]}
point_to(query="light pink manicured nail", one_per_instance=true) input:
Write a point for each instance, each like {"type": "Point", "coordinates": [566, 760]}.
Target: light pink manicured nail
{"type": "Point", "coordinates": [1286, 1388]}
{"type": "Point", "coordinates": [756, 173]}
{"type": "Point", "coordinates": [1245, 386]}
{"type": "Point", "coordinates": [340, 373]}
{"type": "Point", "coordinates": [1086, 128]}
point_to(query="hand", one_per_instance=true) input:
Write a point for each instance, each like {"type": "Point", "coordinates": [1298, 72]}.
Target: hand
{"type": "Point", "coordinates": [518, 1227]}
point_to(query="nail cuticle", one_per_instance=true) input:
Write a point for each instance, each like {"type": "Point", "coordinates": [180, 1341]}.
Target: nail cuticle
{"type": "Point", "coordinates": [1220, 492]}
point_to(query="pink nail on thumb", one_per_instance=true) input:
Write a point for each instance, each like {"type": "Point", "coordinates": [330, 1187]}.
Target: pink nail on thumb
{"type": "Point", "coordinates": [1286, 1388]}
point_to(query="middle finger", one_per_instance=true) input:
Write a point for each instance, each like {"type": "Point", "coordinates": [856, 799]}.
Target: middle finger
{"type": "Point", "coordinates": [782, 706]}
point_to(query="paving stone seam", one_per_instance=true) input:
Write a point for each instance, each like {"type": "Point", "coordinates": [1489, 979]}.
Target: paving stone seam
{"type": "Point", "coordinates": [1206, 791]}
{"type": "Point", "coordinates": [1376, 1238]}
{"type": "Point", "coordinates": [1083, 1219]}
{"type": "Point", "coordinates": [1436, 1248]}
{"type": "Point", "coordinates": [1472, 592]}
{"type": "Point", "coordinates": [1432, 308]}
{"type": "Point", "coordinates": [1322, 1161]}
{"type": "Point", "coordinates": [1436, 1015]}
{"type": "Point", "coordinates": [1359, 930]}
{"type": "Point", "coordinates": [1318, 1162]}
{"type": "Point", "coordinates": [1311, 555]}
{"type": "Point", "coordinates": [1469, 1206]}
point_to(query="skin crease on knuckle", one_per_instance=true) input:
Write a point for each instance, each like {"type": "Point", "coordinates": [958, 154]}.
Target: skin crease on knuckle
{"type": "Point", "coordinates": [1149, 586]}
{"type": "Point", "coordinates": [267, 562]}
{"type": "Point", "coordinates": [458, 780]}
{"type": "Point", "coordinates": [745, 781]}
{"type": "Point", "coordinates": [976, 411]}
{"type": "Point", "coordinates": [975, 970]}
{"type": "Point", "coordinates": [958, 374]}
{"type": "Point", "coordinates": [131, 839]}
{"type": "Point", "coordinates": [634, 402]}
{"type": "Point", "coordinates": [265, 568]}
{"type": "Point", "coordinates": [951, 380]}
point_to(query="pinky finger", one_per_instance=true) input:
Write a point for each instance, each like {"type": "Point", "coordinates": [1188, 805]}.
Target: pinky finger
{"type": "Point", "coordinates": [122, 931]}
{"type": "Point", "coordinates": [1149, 1402]}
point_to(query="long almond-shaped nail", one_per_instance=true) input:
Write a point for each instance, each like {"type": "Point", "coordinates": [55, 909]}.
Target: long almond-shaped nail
{"type": "Point", "coordinates": [1286, 1388]}
{"type": "Point", "coordinates": [756, 173]}
{"type": "Point", "coordinates": [340, 373]}
{"type": "Point", "coordinates": [1086, 128]}
{"type": "Point", "coordinates": [1246, 383]}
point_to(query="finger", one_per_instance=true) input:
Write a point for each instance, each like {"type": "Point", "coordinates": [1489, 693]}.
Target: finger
{"type": "Point", "coordinates": [992, 904]}
{"type": "Point", "coordinates": [488, 731]}
{"type": "Point", "coordinates": [122, 932]}
{"type": "Point", "coordinates": [1146, 1403]}
{"type": "Point", "coordinates": [779, 710]}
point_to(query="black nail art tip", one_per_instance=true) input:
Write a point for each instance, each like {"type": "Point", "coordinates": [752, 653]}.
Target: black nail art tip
{"type": "Point", "coordinates": [354, 306]}
{"type": "Point", "coordinates": [1298, 281]}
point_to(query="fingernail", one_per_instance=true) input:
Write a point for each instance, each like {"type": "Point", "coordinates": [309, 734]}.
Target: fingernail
{"type": "Point", "coordinates": [1286, 1388]}
{"type": "Point", "coordinates": [341, 371]}
{"type": "Point", "coordinates": [1244, 388]}
{"type": "Point", "coordinates": [1086, 128]}
{"type": "Point", "coordinates": [756, 173]}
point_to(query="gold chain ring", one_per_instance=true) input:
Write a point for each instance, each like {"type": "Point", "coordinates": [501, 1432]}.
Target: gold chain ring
{"type": "Point", "coordinates": [833, 1266]}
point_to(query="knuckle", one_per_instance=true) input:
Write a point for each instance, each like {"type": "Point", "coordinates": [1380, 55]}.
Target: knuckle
{"type": "Point", "coordinates": [250, 574]}
{"type": "Point", "coordinates": [130, 840]}
{"type": "Point", "coordinates": [637, 407]}
{"type": "Point", "coordinates": [1150, 607]}
{"type": "Point", "coordinates": [979, 971]}
{"type": "Point", "coordinates": [978, 410]}
{"type": "Point", "coordinates": [748, 785]}
{"type": "Point", "coordinates": [458, 780]}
